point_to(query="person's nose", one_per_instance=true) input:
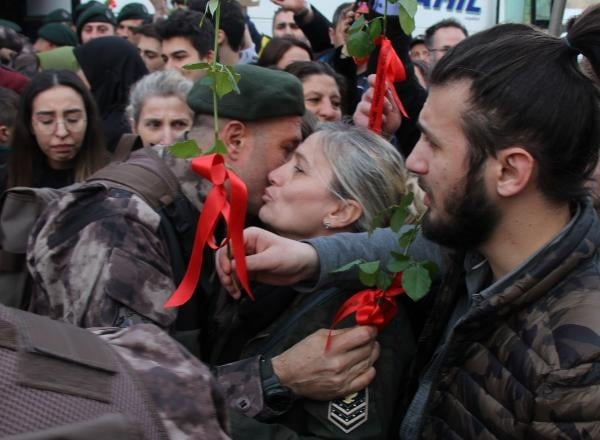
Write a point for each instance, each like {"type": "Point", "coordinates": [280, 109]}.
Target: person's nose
{"type": "Point", "coordinates": [60, 130]}
{"type": "Point", "coordinates": [168, 136]}
{"type": "Point", "coordinates": [416, 161]}
{"type": "Point", "coordinates": [277, 176]}
{"type": "Point", "coordinates": [327, 111]}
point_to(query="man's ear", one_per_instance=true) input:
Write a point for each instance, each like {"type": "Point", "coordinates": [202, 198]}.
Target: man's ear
{"type": "Point", "coordinates": [132, 125]}
{"type": "Point", "coordinates": [515, 171]}
{"type": "Point", "coordinates": [344, 214]}
{"type": "Point", "coordinates": [234, 135]}
{"type": "Point", "coordinates": [208, 58]}
{"type": "Point", "coordinates": [221, 37]}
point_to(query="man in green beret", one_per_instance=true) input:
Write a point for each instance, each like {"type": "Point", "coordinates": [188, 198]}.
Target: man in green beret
{"type": "Point", "coordinates": [61, 16]}
{"type": "Point", "coordinates": [131, 16]}
{"type": "Point", "coordinates": [95, 21]}
{"type": "Point", "coordinates": [11, 25]}
{"type": "Point", "coordinates": [53, 35]}
{"type": "Point", "coordinates": [122, 265]}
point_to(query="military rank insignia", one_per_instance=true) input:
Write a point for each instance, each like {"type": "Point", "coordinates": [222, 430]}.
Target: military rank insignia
{"type": "Point", "coordinates": [349, 412]}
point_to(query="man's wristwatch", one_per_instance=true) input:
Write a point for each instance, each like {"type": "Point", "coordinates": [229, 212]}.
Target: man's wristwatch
{"type": "Point", "coordinates": [276, 396]}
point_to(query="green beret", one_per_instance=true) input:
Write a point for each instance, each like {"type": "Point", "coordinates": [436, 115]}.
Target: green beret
{"type": "Point", "coordinates": [58, 34]}
{"type": "Point", "coordinates": [57, 16]}
{"type": "Point", "coordinates": [95, 13]}
{"type": "Point", "coordinates": [133, 11]}
{"type": "Point", "coordinates": [11, 25]}
{"type": "Point", "coordinates": [264, 93]}
{"type": "Point", "coordinates": [82, 7]}
{"type": "Point", "coordinates": [59, 58]}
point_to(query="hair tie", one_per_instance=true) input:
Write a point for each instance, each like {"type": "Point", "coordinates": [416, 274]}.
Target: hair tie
{"type": "Point", "coordinates": [566, 41]}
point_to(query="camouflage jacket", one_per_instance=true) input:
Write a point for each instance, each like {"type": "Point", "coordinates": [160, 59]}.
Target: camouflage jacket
{"type": "Point", "coordinates": [185, 394]}
{"type": "Point", "coordinates": [523, 361]}
{"type": "Point", "coordinates": [369, 414]}
{"type": "Point", "coordinates": [97, 258]}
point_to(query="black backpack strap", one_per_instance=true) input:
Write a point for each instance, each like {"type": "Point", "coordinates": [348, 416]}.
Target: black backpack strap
{"type": "Point", "coordinates": [128, 143]}
{"type": "Point", "coordinates": [144, 174]}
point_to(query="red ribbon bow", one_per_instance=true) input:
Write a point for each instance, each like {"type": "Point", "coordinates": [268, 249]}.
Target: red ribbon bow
{"type": "Point", "coordinates": [212, 168]}
{"type": "Point", "coordinates": [372, 306]}
{"type": "Point", "coordinates": [389, 71]}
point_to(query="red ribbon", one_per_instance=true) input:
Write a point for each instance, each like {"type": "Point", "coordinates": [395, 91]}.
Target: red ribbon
{"type": "Point", "coordinates": [212, 168]}
{"type": "Point", "coordinates": [374, 307]}
{"type": "Point", "coordinates": [389, 71]}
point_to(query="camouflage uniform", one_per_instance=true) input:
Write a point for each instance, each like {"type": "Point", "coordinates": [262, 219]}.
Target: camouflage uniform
{"type": "Point", "coordinates": [369, 414]}
{"type": "Point", "coordinates": [185, 394]}
{"type": "Point", "coordinates": [523, 360]}
{"type": "Point", "coordinates": [98, 260]}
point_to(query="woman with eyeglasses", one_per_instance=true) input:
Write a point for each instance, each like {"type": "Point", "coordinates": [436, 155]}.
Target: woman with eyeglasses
{"type": "Point", "coordinates": [57, 138]}
{"type": "Point", "coordinates": [338, 180]}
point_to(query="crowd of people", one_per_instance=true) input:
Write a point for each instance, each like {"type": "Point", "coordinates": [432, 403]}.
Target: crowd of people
{"type": "Point", "coordinates": [498, 145]}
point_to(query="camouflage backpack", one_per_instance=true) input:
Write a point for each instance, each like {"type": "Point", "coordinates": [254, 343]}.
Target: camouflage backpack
{"type": "Point", "coordinates": [144, 174]}
{"type": "Point", "coordinates": [58, 381]}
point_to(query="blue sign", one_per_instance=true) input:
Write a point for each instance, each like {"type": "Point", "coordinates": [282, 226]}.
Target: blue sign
{"type": "Point", "coordinates": [469, 6]}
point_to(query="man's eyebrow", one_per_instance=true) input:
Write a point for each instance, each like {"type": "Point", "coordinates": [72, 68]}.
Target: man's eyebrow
{"type": "Point", "coordinates": [428, 133]}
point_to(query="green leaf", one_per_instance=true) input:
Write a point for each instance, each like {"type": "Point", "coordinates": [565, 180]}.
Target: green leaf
{"type": "Point", "coordinates": [348, 266]}
{"type": "Point", "coordinates": [370, 267]}
{"type": "Point", "coordinates": [378, 221]}
{"type": "Point", "coordinates": [357, 25]}
{"type": "Point", "coordinates": [185, 149]}
{"type": "Point", "coordinates": [416, 282]}
{"type": "Point", "coordinates": [212, 6]}
{"type": "Point", "coordinates": [398, 218]}
{"type": "Point", "coordinates": [375, 28]}
{"type": "Point", "coordinates": [410, 6]}
{"type": "Point", "coordinates": [360, 44]}
{"type": "Point", "coordinates": [407, 23]}
{"type": "Point", "coordinates": [399, 264]}
{"type": "Point", "coordinates": [407, 199]}
{"type": "Point", "coordinates": [431, 267]}
{"type": "Point", "coordinates": [368, 279]}
{"type": "Point", "coordinates": [407, 238]}
{"type": "Point", "coordinates": [234, 77]}
{"type": "Point", "coordinates": [384, 280]}
{"type": "Point", "coordinates": [222, 84]}
{"type": "Point", "coordinates": [218, 147]}
{"type": "Point", "coordinates": [197, 66]}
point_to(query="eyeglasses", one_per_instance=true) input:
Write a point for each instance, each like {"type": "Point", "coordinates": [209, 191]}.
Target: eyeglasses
{"type": "Point", "coordinates": [49, 126]}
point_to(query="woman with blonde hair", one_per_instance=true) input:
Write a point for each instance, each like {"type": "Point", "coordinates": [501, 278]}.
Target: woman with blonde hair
{"type": "Point", "coordinates": [338, 180]}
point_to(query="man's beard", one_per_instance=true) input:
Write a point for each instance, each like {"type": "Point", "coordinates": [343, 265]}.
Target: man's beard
{"type": "Point", "coordinates": [469, 220]}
